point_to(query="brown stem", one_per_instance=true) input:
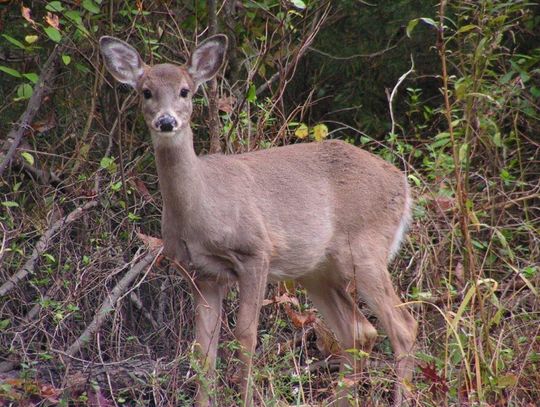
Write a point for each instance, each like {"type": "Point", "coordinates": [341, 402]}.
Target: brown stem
{"type": "Point", "coordinates": [461, 189]}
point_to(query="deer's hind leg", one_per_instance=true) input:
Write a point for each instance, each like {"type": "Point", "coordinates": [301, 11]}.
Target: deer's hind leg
{"type": "Point", "coordinates": [342, 315]}
{"type": "Point", "coordinates": [375, 286]}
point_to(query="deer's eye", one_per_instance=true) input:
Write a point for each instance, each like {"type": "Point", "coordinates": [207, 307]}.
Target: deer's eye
{"type": "Point", "coordinates": [184, 92]}
{"type": "Point", "coordinates": [147, 93]}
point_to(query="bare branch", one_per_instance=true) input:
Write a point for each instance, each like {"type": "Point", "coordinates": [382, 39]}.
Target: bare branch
{"type": "Point", "coordinates": [108, 305]}
{"type": "Point", "coordinates": [42, 245]}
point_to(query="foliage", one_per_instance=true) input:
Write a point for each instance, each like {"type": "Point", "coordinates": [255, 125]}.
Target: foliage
{"type": "Point", "coordinates": [465, 129]}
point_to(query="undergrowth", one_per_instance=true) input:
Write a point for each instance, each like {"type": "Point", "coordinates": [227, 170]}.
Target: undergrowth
{"type": "Point", "coordinates": [80, 200]}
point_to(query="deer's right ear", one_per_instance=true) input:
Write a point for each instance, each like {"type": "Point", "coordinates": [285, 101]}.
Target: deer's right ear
{"type": "Point", "coordinates": [121, 60]}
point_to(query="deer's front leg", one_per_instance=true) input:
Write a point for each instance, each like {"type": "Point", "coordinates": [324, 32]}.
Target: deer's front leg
{"type": "Point", "coordinates": [208, 298]}
{"type": "Point", "coordinates": [252, 279]}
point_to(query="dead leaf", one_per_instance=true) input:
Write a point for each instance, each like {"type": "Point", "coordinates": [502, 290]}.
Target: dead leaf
{"type": "Point", "coordinates": [41, 126]}
{"type": "Point", "coordinates": [284, 298]}
{"type": "Point", "coordinates": [348, 382]}
{"type": "Point", "coordinates": [226, 103]}
{"type": "Point", "coordinates": [460, 275]}
{"type": "Point", "coordinates": [52, 20]}
{"type": "Point", "coordinates": [50, 393]}
{"type": "Point", "coordinates": [140, 186]}
{"type": "Point", "coordinates": [152, 243]}
{"type": "Point", "coordinates": [97, 399]}
{"type": "Point", "coordinates": [438, 383]}
{"type": "Point", "coordinates": [442, 203]}
{"type": "Point", "coordinates": [25, 11]}
{"type": "Point", "coordinates": [298, 319]}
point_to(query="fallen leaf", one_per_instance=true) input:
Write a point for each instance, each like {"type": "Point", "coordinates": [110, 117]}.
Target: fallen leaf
{"type": "Point", "coordinates": [298, 319]}
{"type": "Point", "coordinates": [284, 298]}
{"type": "Point", "coordinates": [25, 11]}
{"type": "Point", "coordinates": [50, 393]}
{"type": "Point", "coordinates": [41, 126]}
{"type": "Point", "coordinates": [52, 20]}
{"type": "Point", "coordinates": [153, 243]}
{"type": "Point", "coordinates": [140, 186]}
{"type": "Point", "coordinates": [226, 103]}
{"type": "Point", "coordinates": [438, 383]}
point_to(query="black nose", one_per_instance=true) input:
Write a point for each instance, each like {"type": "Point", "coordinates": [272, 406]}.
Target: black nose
{"type": "Point", "coordinates": [166, 123]}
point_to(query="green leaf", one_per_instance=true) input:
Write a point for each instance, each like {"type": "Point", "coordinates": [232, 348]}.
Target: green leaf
{"type": "Point", "coordinates": [53, 34]}
{"type": "Point", "coordinates": [252, 94]}
{"type": "Point", "coordinates": [463, 152]}
{"type": "Point", "coordinates": [413, 23]}
{"type": "Point", "coordinates": [15, 42]}
{"type": "Point", "coordinates": [32, 77]}
{"type": "Point", "coordinates": [66, 59]}
{"type": "Point", "coordinates": [106, 162]}
{"type": "Point", "coordinates": [410, 27]}
{"type": "Point", "coordinates": [299, 4]}
{"type": "Point", "coordinates": [10, 71]}
{"type": "Point", "coordinates": [10, 204]}
{"type": "Point", "coordinates": [49, 257]}
{"type": "Point", "coordinates": [28, 157]}
{"type": "Point", "coordinates": [90, 6]}
{"type": "Point", "coordinates": [116, 186]}
{"type": "Point", "coordinates": [415, 179]}
{"type": "Point", "coordinates": [30, 39]}
{"type": "Point", "coordinates": [466, 28]}
{"type": "Point", "coordinates": [24, 91]}
{"type": "Point", "coordinates": [508, 380]}
{"type": "Point", "coordinates": [74, 16]}
{"type": "Point", "coordinates": [430, 21]}
{"type": "Point", "coordinates": [54, 6]}
{"type": "Point", "coordinates": [4, 323]}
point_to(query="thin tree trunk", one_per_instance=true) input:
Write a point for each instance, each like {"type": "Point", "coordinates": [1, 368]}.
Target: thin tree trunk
{"type": "Point", "coordinates": [213, 113]}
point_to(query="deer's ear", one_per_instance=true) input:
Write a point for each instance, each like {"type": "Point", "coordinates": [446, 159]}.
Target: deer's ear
{"type": "Point", "coordinates": [207, 58]}
{"type": "Point", "coordinates": [121, 60]}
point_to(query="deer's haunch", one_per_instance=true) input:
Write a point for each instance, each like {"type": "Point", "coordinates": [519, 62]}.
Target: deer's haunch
{"type": "Point", "coordinates": [325, 214]}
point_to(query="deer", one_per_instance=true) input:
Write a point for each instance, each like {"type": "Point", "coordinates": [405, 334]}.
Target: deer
{"type": "Point", "coordinates": [328, 215]}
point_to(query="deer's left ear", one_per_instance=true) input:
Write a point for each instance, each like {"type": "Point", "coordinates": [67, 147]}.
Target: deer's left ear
{"type": "Point", "coordinates": [121, 60]}
{"type": "Point", "coordinates": [208, 58]}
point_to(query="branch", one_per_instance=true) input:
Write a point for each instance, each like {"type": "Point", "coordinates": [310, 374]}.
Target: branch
{"type": "Point", "coordinates": [393, 94]}
{"type": "Point", "coordinates": [41, 246]}
{"type": "Point", "coordinates": [108, 305]}
{"type": "Point", "coordinates": [34, 104]}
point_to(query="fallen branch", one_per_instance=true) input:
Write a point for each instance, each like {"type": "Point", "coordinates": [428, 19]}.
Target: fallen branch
{"type": "Point", "coordinates": [34, 104]}
{"type": "Point", "coordinates": [108, 305]}
{"type": "Point", "coordinates": [41, 246]}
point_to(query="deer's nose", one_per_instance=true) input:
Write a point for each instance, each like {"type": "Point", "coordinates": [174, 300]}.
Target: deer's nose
{"type": "Point", "coordinates": [166, 123]}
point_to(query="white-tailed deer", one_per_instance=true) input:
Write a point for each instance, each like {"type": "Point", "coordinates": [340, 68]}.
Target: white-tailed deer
{"type": "Point", "coordinates": [324, 214]}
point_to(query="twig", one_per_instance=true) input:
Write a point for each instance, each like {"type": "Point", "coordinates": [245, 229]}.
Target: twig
{"type": "Point", "coordinates": [108, 305]}
{"type": "Point", "coordinates": [41, 246]}
{"type": "Point", "coordinates": [25, 121]}
{"type": "Point", "coordinates": [140, 306]}
{"type": "Point", "coordinates": [393, 94]}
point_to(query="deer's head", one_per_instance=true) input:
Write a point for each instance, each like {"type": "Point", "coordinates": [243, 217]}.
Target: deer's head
{"type": "Point", "coordinates": [166, 90]}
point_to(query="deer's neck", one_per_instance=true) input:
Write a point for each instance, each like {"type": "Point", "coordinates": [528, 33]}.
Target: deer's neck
{"type": "Point", "coordinates": [181, 182]}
